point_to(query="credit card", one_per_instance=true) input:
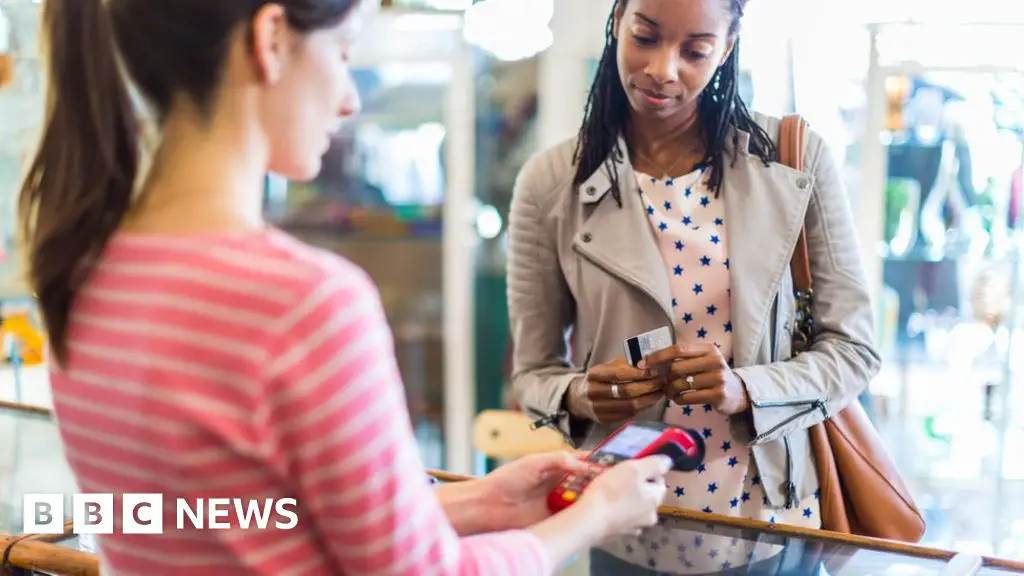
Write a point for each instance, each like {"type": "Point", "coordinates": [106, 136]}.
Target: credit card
{"type": "Point", "coordinates": [643, 344]}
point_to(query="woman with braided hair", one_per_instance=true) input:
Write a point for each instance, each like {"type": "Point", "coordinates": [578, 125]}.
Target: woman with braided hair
{"type": "Point", "coordinates": [670, 209]}
{"type": "Point", "coordinates": [197, 352]}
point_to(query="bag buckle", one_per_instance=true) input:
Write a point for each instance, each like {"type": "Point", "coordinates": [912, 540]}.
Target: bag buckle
{"type": "Point", "coordinates": [803, 321]}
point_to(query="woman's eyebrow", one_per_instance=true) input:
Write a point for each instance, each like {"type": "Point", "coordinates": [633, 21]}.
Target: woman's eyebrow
{"type": "Point", "coordinates": [654, 24]}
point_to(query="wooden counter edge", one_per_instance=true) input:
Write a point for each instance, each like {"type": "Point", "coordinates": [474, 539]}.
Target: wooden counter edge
{"type": "Point", "coordinates": [37, 555]}
{"type": "Point", "coordinates": [19, 407]}
{"type": "Point", "coordinates": [878, 544]}
{"type": "Point", "coordinates": [55, 538]}
{"type": "Point", "coordinates": [37, 546]}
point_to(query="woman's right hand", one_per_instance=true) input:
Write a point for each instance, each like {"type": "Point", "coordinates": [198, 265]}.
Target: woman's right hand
{"type": "Point", "coordinates": [628, 495]}
{"type": "Point", "coordinates": [613, 392]}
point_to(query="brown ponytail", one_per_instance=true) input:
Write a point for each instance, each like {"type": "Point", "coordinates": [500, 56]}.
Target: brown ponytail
{"type": "Point", "coordinates": [79, 185]}
{"type": "Point", "coordinates": [81, 182]}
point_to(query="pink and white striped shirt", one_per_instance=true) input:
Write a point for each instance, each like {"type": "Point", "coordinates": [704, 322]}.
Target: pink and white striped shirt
{"type": "Point", "coordinates": [255, 366]}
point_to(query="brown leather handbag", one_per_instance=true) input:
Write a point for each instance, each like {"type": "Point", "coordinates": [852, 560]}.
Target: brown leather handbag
{"type": "Point", "coordinates": [862, 491]}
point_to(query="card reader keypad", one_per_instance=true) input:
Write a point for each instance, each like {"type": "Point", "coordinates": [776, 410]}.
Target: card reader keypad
{"type": "Point", "coordinates": [574, 484]}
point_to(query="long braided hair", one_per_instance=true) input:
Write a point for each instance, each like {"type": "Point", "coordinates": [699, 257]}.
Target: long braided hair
{"type": "Point", "coordinates": [719, 106]}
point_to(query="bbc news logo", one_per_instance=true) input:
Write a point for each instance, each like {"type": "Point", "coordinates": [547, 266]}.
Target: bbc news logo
{"type": "Point", "coordinates": [144, 513]}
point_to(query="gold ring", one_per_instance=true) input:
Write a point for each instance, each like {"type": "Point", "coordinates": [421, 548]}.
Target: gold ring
{"type": "Point", "coordinates": [689, 382]}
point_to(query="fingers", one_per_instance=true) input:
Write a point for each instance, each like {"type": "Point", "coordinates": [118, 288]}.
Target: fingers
{"type": "Point", "coordinates": [712, 396]}
{"type": "Point", "coordinates": [653, 468]}
{"type": "Point", "coordinates": [659, 490]}
{"type": "Point", "coordinates": [708, 362]}
{"type": "Point", "coordinates": [650, 468]}
{"type": "Point", "coordinates": [694, 366]}
{"type": "Point", "coordinates": [558, 463]}
{"type": "Point", "coordinates": [680, 351]}
{"type": "Point", "coordinates": [625, 390]}
{"type": "Point", "coordinates": [682, 383]}
{"type": "Point", "coordinates": [549, 468]}
{"type": "Point", "coordinates": [616, 372]}
{"type": "Point", "coordinates": [705, 372]}
{"type": "Point", "coordinates": [612, 410]}
{"type": "Point", "coordinates": [614, 392]}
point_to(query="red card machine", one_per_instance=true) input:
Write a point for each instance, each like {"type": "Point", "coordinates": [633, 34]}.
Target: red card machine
{"type": "Point", "coordinates": [632, 440]}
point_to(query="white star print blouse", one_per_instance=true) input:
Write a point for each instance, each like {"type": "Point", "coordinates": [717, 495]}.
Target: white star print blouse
{"type": "Point", "coordinates": [689, 226]}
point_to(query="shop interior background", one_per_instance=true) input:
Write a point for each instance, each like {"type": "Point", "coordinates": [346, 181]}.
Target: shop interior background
{"type": "Point", "coordinates": [922, 103]}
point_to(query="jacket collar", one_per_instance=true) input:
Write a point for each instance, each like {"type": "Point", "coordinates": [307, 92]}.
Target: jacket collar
{"type": "Point", "coordinates": [765, 211]}
{"type": "Point", "coordinates": [594, 188]}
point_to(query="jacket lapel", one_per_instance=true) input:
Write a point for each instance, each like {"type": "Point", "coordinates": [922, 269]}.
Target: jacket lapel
{"type": "Point", "coordinates": [618, 239]}
{"type": "Point", "coordinates": [765, 211]}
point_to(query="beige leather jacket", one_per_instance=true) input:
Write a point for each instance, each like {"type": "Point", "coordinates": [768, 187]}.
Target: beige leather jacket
{"type": "Point", "coordinates": [577, 260]}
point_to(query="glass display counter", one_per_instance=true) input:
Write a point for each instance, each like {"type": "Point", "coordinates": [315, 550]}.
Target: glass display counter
{"type": "Point", "coordinates": [696, 543]}
{"type": "Point", "coordinates": [691, 543]}
{"type": "Point", "coordinates": [31, 462]}
{"type": "Point", "coordinates": [701, 543]}
{"type": "Point", "coordinates": [685, 542]}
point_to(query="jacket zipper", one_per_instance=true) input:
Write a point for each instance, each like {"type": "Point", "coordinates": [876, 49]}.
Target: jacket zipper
{"type": "Point", "coordinates": [775, 329]}
{"type": "Point", "coordinates": [814, 405]}
{"type": "Point", "coordinates": [552, 419]}
{"type": "Point", "coordinates": [545, 419]}
{"type": "Point", "coordinates": [790, 486]}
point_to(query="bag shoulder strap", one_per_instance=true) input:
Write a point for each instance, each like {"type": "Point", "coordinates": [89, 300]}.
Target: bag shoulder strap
{"type": "Point", "coordinates": [792, 137]}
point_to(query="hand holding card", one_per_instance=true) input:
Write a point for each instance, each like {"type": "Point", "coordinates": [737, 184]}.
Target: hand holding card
{"type": "Point", "coordinates": [640, 346]}
{"type": "Point", "coordinates": [613, 392]}
{"type": "Point", "coordinates": [698, 374]}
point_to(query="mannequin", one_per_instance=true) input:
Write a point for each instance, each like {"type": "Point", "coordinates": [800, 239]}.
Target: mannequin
{"type": "Point", "coordinates": [931, 183]}
{"type": "Point", "coordinates": [931, 151]}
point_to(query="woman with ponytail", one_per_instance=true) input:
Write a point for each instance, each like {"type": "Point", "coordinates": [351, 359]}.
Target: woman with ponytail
{"type": "Point", "coordinates": [198, 353]}
{"type": "Point", "coordinates": [670, 210]}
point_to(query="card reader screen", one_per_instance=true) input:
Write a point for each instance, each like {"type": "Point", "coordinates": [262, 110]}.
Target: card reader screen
{"type": "Point", "coordinates": [631, 441]}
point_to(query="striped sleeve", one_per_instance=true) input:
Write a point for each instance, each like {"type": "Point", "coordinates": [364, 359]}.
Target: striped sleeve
{"type": "Point", "coordinates": [338, 414]}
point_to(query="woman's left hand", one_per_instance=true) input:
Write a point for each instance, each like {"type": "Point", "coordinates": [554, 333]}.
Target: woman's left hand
{"type": "Point", "coordinates": [699, 374]}
{"type": "Point", "coordinates": [518, 491]}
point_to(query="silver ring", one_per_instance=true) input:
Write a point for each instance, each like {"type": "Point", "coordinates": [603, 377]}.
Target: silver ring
{"type": "Point", "coordinates": [615, 391]}
{"type": "Point", "coordinates": [689, 382]}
